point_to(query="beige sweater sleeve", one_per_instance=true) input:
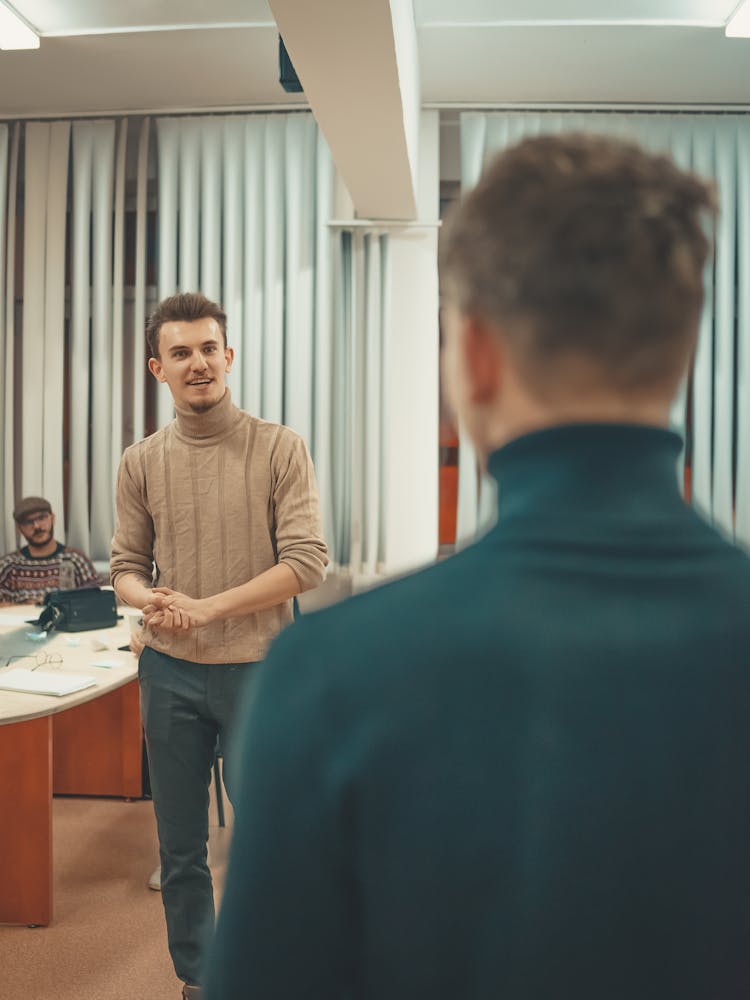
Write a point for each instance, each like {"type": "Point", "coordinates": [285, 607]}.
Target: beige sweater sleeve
{"type": "Point", "coordinates": [298, 529]}
{"type": "Point", "coordinates": [133, 541]}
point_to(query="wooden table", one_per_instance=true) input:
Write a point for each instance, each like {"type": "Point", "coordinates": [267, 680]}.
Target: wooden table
{"type": "Point", "coordinates": [87, 743]}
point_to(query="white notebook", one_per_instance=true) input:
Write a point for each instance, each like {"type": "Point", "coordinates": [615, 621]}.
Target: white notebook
{"type": "Point", "coordinates": [43, 682]}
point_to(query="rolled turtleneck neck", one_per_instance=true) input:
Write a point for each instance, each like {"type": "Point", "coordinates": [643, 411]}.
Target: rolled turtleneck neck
{"type": "Point", "coordinates": [209, 425]}
{"type": "Point", "coordinates": [584, 468]}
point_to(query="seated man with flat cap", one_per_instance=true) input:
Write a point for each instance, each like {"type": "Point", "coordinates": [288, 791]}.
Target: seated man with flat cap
{"type": "Point", "coordinates": [44, 564]}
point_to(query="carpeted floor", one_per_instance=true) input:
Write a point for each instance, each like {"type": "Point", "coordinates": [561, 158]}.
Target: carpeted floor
{"type": "Point", "coordinates": [108, 939]}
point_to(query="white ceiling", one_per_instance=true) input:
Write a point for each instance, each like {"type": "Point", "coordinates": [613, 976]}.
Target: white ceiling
{"type": "Point", "coordinates": [50, 17]}
{"type": "Point", "coordinates": [130, 55]}
{"type": "Point", "coordinates": [685, 12]}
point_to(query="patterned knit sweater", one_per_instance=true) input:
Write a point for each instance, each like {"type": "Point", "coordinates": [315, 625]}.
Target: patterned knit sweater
{"type": "Point", "coordinates": [208, 503]}
{"type": "Point", "coordinates": [27, 579]}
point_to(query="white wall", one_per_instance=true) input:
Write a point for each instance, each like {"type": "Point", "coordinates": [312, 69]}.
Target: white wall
{"type": "Point", "coordinates": [411, 422]}
{"type": "Point", "coordinates": [413, 371]}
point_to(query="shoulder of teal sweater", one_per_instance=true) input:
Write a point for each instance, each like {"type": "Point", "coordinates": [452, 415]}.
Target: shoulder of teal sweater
{"type": "Point", "coordinates": [395, 604]}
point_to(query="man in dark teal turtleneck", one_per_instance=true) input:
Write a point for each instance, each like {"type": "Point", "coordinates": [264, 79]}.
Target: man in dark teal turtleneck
{"type": "Point", "coordinates": [523, 773]}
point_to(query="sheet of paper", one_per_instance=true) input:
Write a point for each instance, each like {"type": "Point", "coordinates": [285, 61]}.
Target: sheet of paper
{"type": "Point", "coordinates": [106, 662]}
{"type": "Point", "coordinates": [9, 618]}
{"type": "Point", "coordinates": [43, 682]}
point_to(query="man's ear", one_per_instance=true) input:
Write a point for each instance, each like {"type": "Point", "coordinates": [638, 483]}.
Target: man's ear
{"type": "Point", "coordinates": [229, 356]}
{"type": "Point", "coordinates": [483, 356]}
{"type": "Point", "coordinates": [156, 369]}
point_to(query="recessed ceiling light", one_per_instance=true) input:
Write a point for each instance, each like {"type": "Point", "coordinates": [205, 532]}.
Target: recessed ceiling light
{"type": "Point", "coordinates": [15, 33]}
{"type": "Point", "coordinates": [738, 25]}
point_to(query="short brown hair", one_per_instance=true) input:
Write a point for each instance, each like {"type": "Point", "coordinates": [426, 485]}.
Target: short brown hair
{"type": "Point", "coordinates": [185, 307]}
{"type": "Point", "coordinates": [585, 245]}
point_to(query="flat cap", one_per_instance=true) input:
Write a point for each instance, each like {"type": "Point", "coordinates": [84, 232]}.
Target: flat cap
{"type": "Point", "coordinates": [31, 505]}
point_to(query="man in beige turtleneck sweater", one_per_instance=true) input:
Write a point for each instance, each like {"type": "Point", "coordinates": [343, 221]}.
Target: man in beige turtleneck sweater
{"type": "Point", "coordinates": [218, 528]}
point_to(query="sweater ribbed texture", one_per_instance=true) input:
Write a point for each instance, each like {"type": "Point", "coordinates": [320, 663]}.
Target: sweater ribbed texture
{"type": "Point", "coordinates": [208, 503]}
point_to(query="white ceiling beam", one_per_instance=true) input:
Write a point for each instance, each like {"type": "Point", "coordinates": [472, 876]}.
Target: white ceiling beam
{"type": "Point", "coordinates": [358, 65]}
{"type": "Point", "coordinates": [738, 25]}
{"type": "Point", "coordinates": [142, 29]}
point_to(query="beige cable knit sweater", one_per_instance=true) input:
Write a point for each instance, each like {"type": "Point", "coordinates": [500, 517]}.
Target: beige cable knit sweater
{"type": "Point", "coordinates": [206, 504]}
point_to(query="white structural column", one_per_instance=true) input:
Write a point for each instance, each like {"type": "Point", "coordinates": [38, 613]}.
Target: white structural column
{"type": "Point", "coordinates": [45, 185]}
{"type": "Point", "coordinates": [358, 65]}
{"type": "Point", "coordinates": [410, 367]}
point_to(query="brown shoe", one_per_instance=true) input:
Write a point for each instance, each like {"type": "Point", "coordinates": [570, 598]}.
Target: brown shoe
{"type": "Point", "coordinates": [191, 992]}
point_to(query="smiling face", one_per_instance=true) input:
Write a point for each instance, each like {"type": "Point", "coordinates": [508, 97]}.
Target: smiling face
{"type": "Point", "coordinates": [193, 361]}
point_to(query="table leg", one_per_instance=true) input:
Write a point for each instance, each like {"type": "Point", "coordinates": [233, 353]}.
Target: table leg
{"type": "Point", "coordinates": [26, 822]}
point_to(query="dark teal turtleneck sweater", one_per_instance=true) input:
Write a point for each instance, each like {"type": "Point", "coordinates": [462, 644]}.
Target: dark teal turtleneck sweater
{"type": "Point", "coordinates": [521, 773]}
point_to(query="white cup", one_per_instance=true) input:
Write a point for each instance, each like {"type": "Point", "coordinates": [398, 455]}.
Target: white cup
{"type": "Point", "coordinates": [135, 622]}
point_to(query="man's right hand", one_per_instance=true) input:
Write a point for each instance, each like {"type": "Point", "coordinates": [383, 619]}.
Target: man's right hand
{"type": "Point", "coordinates": [136, 645]}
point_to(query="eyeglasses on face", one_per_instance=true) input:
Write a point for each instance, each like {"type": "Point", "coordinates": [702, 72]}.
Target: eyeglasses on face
{"type": "Point", "coordinates": [31, 520]}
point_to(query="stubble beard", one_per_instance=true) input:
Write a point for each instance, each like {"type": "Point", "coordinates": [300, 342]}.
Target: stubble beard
{"type": "Point", "coordinates": [204, 405]}
{"type": "Point", "coordinates": [40, 543]}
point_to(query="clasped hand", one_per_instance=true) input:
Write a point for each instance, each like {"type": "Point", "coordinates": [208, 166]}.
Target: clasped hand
{"type": "Point", "coordinates": [169, 609]}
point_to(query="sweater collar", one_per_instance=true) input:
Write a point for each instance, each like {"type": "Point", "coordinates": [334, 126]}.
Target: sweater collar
{"type": "Point", "coordinates": [210, 425]}
{"type": "Point", "coordinates": [585, 468]}
{"type": "Point", "coordinates": [59, 548]}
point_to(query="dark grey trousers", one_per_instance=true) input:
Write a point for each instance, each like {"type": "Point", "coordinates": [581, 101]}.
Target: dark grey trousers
{"type": "Point", "coordinates": [185, 708]}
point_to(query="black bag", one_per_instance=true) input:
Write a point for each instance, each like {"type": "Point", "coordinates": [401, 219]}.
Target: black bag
{"type": "Point", "coordinates": [78, 610]}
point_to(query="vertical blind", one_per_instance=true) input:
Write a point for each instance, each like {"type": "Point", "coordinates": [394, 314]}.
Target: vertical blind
{"type": "Point", "coordinates": [244, 205]}
{"type": "Point", "coordinates": [114, 215]}
{"type": "Point", "coordinates": [716, 146]}
{"type": "Point", "coordinates": [8, 181]}
{"type": "Point", "coordinates": [358, 404]}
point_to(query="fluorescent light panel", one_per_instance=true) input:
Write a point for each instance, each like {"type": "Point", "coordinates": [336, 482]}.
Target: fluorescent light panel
{"type": "Point", "coordinates": [738, 25]}
{"type": "Point", "coordinates": [15, 33]}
